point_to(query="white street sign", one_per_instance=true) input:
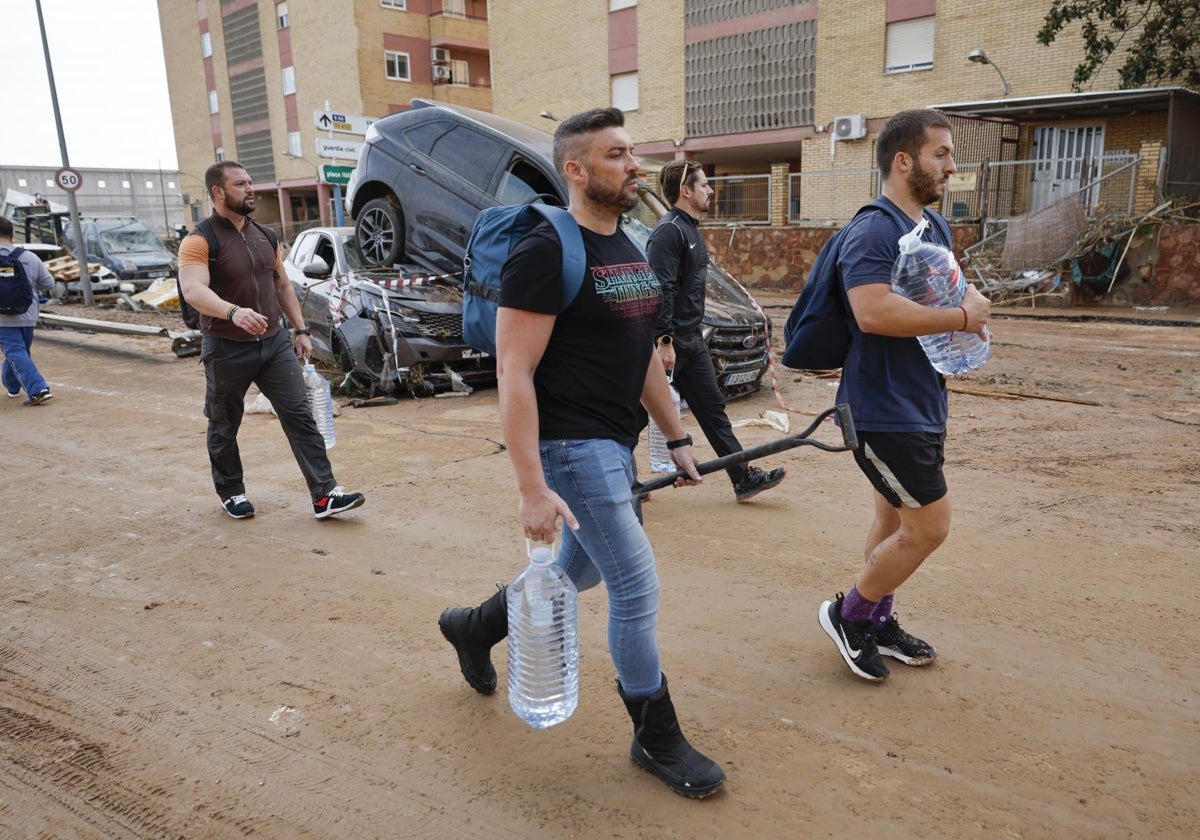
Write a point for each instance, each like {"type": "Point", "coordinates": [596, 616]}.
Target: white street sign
{"type": "Point", "coordinates": [345, 123]}
{"type": "Point", "coordinates": [338, 149]}
{"type": "Point", "coordinates": [68, 179]}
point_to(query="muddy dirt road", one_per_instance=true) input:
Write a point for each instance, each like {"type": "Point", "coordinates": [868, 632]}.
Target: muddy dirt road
{"type": "Point", "coordinates": [166, 671]}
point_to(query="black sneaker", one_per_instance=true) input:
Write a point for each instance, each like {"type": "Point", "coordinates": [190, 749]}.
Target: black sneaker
{"type": "Point", "coordinates": [40, 397]}
{"type": "Point", "coordinates": [855, 641]}
{"type": "Point", "coordinates": [893, 641]}
{"type": "Point", "coordinates": [238, 506]}
{"type": "Point", "coordinates": [756, 481]}
{"type": "Point", "coordinates": [337, 501]}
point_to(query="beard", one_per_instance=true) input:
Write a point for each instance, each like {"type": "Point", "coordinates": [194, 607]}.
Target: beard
{"type": "Point", "coordinates": [244, 207]}
{"type": "Point", "coordinates": [922, 184]}
{"type": "Point", "coordinates": [612, 198]}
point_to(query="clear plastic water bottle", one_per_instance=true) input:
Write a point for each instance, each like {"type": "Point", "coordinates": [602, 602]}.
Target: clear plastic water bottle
{"type": "Point", "coordinates": [543, 642]}
{"type": "Point", "coordinates": [320, 401]}
{"type": "Point", "coordinates": [930, 275]}
{"type": "Point", "coordinates": [656, 441]}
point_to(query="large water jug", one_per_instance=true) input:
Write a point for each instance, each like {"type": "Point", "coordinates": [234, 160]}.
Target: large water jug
{"type": "Point", "coordinates": [930, 275]}
{"type": "Point", "coordinates": [543, 642]}
{"type": "Point", "coordinates": [320, 401]}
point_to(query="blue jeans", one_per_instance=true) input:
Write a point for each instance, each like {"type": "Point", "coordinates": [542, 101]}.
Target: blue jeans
{"type": "Point", "coordinates": [19, 371]}
{"type": "Point", "coordinates": [593, 477]}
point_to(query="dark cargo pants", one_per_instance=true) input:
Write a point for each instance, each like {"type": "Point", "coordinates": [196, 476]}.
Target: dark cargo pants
{"type": "Point", "coordinates": [229, 369]}
{"type": "Point", "coordinates": [696, 381]}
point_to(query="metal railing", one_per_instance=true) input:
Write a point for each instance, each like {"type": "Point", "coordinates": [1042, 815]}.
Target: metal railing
{"type": "Point", "coordinates": [745, 199]}
{"type": "Point", "coordinates": [988, 190]}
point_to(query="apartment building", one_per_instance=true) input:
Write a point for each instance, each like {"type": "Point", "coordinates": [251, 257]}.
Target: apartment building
{"type": "Point", "coordinates": [249, 78]}
{"type": "Point", "coordinates": [770, 94]}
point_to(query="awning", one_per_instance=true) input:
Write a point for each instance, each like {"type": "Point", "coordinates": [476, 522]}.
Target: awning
{"type": "Point", "coordinates": [1106, 103]}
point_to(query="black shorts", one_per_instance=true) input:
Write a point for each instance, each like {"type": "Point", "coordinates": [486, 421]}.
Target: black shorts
{"type": "Point", "coordinates": [905, 467]}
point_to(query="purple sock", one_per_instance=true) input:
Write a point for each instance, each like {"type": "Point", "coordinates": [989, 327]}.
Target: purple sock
{"type": "Point", "coordinates": [856, 607]}
{"type": "Point", "coordinates": [883, 612]}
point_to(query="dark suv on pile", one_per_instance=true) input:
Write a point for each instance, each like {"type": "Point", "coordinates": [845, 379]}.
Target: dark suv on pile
{"type": "Point", "coordinates": [424, 174]}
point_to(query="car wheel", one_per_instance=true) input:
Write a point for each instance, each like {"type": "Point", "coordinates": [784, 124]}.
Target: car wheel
{"type": "Point", "coordinates": [379, 232]}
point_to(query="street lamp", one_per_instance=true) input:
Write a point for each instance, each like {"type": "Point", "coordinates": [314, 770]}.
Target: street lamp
{"type": "Point", "coordinates": [978, 56]}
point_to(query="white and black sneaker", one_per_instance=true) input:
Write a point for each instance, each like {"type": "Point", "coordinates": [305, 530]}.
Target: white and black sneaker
{"type": "Point", "coordinates": [337, 501]}
{"type": "Point", "coordinates": [855, 640]}
{"type": "Point", "coordinates": [238, 506]}
{"type": "Point", "coordinates": [899, 644]}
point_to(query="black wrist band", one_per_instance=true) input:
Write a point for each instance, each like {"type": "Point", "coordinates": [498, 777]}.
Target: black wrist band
{"type": "Point", "coordinates": [686, 440]}
{"type": "Point", "coordinates": [300, 332]}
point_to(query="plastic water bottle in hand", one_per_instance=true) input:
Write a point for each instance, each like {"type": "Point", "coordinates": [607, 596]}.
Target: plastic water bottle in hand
{"type": "Point", "coordinates": [543, 642]}
{"type": "Point", "coordinates": [930, 275]}
{"type": "Point", "coordinates": [656, 441]}
{"type": "Point", "coordinates": [320, 401]}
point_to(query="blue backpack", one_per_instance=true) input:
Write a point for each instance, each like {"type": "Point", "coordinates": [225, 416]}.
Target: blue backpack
{"type": "Point", "coordinates": [817, 332]}
{"type": "Point", "coordinates": [16, 291]}
{"type": "Point", "coordinates": [496, 231]}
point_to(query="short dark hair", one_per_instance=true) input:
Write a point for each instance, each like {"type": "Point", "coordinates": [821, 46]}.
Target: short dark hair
{"type": "Point", "coordinates": [569, 137]}
{"type": "Point", "coordinates": [676, 175]}
{"type": "Point", "coordinates": [214, 176]}
{"type": "Point", "coordinates": [905, 132]}
{"type": "Point", "coordinates": [6, 227]}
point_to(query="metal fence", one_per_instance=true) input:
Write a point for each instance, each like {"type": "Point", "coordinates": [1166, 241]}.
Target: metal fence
{"type": "Point", "coordinates": [989, 190]}
{"type": "Point", "coordinates": [741, 198]}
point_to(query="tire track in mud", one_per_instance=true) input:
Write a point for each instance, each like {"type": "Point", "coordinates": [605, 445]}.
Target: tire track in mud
{"type": "Point", "coordinates": [154, 766]}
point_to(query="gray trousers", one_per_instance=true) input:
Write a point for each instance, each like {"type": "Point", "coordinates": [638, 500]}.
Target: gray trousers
{"type": "Point", "coordinates": [229, 369]}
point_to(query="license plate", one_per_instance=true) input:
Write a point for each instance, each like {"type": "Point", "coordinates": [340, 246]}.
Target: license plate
{"type": "Point", "coordinates": [741, 378]}
{"type": "Point", "coordinates": [473, 354]}
{"type": "Point", "coordinates": [158, 274]}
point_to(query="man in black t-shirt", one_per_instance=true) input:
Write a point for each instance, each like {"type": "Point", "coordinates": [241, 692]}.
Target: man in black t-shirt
{"type": "Point", "coordinates": [679, 258]}
{"type": "Point", "coordinates": [569, 388]}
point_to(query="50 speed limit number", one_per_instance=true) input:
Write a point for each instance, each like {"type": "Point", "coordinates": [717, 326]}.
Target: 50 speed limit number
{"type": "Point", "coordinates": [68, 179]}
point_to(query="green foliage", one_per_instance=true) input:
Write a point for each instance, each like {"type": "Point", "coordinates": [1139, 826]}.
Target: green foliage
{"type": "Point", "coordinates": [1159, 39]}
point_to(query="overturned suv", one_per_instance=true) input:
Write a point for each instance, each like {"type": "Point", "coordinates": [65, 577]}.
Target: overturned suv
{"type": "Point", "coordinates": [424, 174]}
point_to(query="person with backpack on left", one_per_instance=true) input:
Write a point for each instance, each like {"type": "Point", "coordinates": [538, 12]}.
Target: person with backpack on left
{"type": "Point", "coordinates": [241, 297]}
{"type": "Point", "coordinates": [22, 277]}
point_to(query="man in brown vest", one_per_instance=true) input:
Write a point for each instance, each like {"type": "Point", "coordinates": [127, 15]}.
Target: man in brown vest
{"type": "Point", "coordinates": [240, 294]}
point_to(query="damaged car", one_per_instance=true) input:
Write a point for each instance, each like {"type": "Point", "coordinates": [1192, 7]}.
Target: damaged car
{"type": "Point", "coordinates": [424, 174]}
{"type": "Point", "coordinates": [389, 330]}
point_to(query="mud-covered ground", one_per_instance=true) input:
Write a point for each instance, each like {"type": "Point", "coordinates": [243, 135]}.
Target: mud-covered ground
{"type": "Point", "coordinates": [166, 671]}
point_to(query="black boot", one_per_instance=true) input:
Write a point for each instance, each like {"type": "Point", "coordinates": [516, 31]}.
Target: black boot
{"type": "Point", "coordinates": [473, 631]}
{"type": "Point", "coordinates": [660, 748]}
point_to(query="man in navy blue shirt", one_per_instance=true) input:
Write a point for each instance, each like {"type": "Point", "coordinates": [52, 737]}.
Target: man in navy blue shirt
{"type": "Point", "coordinates": [896, 397]}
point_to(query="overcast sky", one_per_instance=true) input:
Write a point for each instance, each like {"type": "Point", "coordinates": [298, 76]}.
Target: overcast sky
{"type": "Point", "coordinates": [111, 82]}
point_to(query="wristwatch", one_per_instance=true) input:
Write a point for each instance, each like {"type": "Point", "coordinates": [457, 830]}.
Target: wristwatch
{"type": "Point", "coordinates": [663, 341]}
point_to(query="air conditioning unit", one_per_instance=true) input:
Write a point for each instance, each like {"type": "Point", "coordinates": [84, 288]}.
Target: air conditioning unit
{"type": "Point", "coordinates": [439, 55]}
{"type": "Point", "coordinates": [441, 73]}
{"type": "Point", "coordinates": [850, 128]}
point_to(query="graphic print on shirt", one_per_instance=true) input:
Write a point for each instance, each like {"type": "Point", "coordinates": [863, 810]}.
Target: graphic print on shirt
{"type": "Point", "coordinates": [629, 290]}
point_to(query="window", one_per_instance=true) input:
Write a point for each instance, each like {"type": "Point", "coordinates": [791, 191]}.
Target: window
{"type": "Point", "coordinates": [281, 14]}
{"type": "Point", "coordinates": [289, 80]}
{"type": "Point", "coordinates": [149, 185]}
{"type": "Point", "coordinates": [206, 45]}
{"type": "Point", "coordinates": [625, 91]}
{"type": "Point", "coordinates": [469, 154]}
{"type": "Point", "coordinates": [170, 185]}
{"type": "Point", "coordinates": [294, 147]}
{"type": "Point", "coordinates": [212, 102]}
{"type": "Point", "coordinates": [617, 5]}
{"type": "Point", "coordinates": [454, 8]}
{"type": "Point", "coordinates": [125, 185]}
{"type": "Point", "coordinates": [49, 182]}
{"type": "Point", "coordinates": [522, 182]}
{"type": "Point", "coordinates": [395, 66]}
{"type": "Point", "coordinates": [220, 154]}
{"type": "Point", "coordinates": [909, 45]}
{"type": "Point", "coordinates": [100, 183]}
{"type": "Point", "coordinates": [21, 182]}
{"type": "Point", "coordinates": [394, 4]}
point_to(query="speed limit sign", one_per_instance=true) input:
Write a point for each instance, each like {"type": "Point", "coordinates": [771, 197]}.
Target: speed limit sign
{"type": "Point", "coordinates": [68, 179]}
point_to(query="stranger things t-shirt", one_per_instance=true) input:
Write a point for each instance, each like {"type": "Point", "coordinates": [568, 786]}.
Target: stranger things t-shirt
{"type": "Point", "coordinates": [589, 381]}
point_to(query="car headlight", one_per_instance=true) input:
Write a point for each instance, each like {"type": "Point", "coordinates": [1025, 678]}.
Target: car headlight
{"type": "Point", "coordinates": [128, 265]}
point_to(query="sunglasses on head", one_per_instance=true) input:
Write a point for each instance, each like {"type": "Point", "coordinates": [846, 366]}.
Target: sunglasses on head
{"type": "Point", "coordinates": [687, 168]}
